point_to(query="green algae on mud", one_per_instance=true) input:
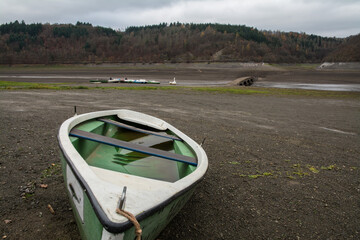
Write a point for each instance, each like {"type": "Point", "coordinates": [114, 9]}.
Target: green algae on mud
{"type": "Point", "coordinates": [29, 85]}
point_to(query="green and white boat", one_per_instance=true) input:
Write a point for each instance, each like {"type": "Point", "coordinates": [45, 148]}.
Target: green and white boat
{"type": "Point", "coordinates": [110, 156]}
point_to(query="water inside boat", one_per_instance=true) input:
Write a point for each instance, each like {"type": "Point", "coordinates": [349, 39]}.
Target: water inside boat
{"type": "Point", "coordinates": [122, 160]}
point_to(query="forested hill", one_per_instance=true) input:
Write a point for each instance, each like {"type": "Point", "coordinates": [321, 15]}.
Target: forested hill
{"type": "Point", "coordinates": [175, 42]}
{"type": "Point", "coordinates": [348, 51]}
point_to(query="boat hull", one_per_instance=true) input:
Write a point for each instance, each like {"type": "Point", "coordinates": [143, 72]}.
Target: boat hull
{"type": "Point", "coordinates": [90, 226]}
{"type": "Point", "coordinates": [95, 220]}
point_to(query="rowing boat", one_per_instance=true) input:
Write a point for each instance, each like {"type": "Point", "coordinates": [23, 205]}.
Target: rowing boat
{"type": "Point", "coordinates": [141, 81]}
{"type": "Point", "coordinates": [121, 163]}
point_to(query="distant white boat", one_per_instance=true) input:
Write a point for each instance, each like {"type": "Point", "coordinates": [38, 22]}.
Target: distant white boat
{"type": "Point", "coordinates": [116, 80]}
{"type": "Point", "coordinates": [173, 82]}
{"type": "Point", "coordinates": [141, 81]}
{"type": "Point", "coordinates": [110, 80]}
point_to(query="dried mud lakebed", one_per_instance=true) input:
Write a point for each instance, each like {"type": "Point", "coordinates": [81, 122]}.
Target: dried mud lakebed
{"type": "Point", "coordinates": [280, 166]}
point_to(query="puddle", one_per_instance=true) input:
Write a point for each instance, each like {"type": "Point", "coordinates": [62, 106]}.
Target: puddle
{"type": "Point", "coordinates": [310, 86]}
{"type": "Point", "coordinates": [47, 76]}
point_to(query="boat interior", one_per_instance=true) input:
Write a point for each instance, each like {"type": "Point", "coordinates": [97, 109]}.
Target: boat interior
{"type": "Point", "coordinates": [110, 145]}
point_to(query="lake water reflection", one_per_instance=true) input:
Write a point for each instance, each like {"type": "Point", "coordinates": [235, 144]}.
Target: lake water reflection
{"type": "Point", "coordinates": [310, 86]}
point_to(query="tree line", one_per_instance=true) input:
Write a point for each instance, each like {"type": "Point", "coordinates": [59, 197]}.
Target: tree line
{"type": "Point", "coordinates": [174, 42]}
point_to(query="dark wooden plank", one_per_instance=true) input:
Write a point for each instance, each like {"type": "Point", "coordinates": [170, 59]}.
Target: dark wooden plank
{"type": "Point", "coordinates": [133, 147]}
{"type": "Point", "coordinates": [123, 125]}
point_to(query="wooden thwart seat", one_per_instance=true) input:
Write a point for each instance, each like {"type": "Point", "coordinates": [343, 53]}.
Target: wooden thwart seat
{"type": "Point", "coordinates": [133, 147]}
{"type": "Point", "coordinates": [123, 125]}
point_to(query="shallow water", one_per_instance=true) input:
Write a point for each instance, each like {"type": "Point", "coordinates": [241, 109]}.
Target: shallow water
{"type": "Point", "coordinates": [310, 86]}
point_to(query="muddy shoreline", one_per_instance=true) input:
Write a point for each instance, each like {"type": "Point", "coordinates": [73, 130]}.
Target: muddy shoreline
{"type": "Point", "coordinates": [184, 73]}
{"type": "Point", "coordinates": [280, 167]}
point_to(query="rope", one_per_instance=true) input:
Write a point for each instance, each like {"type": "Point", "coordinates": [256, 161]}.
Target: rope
{"type": "Point", "coordinates": [132, 219]}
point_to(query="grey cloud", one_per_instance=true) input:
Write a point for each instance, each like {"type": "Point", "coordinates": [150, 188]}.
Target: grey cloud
{"type": "Point", "coordinates": [323, 17]}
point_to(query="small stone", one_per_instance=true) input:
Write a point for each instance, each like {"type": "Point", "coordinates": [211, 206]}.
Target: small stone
{"type": "Point", "coordinates": [51, 209]}
{"type": "Point", "coordinates": [7, 221]}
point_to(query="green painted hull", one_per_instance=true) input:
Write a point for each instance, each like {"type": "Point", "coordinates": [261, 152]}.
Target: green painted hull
{"type": "Point", "coordinates": [92, 229]}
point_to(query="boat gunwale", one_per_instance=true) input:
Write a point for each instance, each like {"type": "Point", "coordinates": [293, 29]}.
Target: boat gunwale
{"type": "Point", "coordinates": [132, 128]}
{"type": "Point", "coordinates": [119, 227]}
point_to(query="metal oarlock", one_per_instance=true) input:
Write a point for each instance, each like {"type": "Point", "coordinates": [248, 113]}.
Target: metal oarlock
{"type": "Point", "coordinates": [122, 199]}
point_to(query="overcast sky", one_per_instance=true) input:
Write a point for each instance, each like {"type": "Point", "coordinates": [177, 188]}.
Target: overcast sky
{"type": "Point", "coordinates": [330, 18]}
